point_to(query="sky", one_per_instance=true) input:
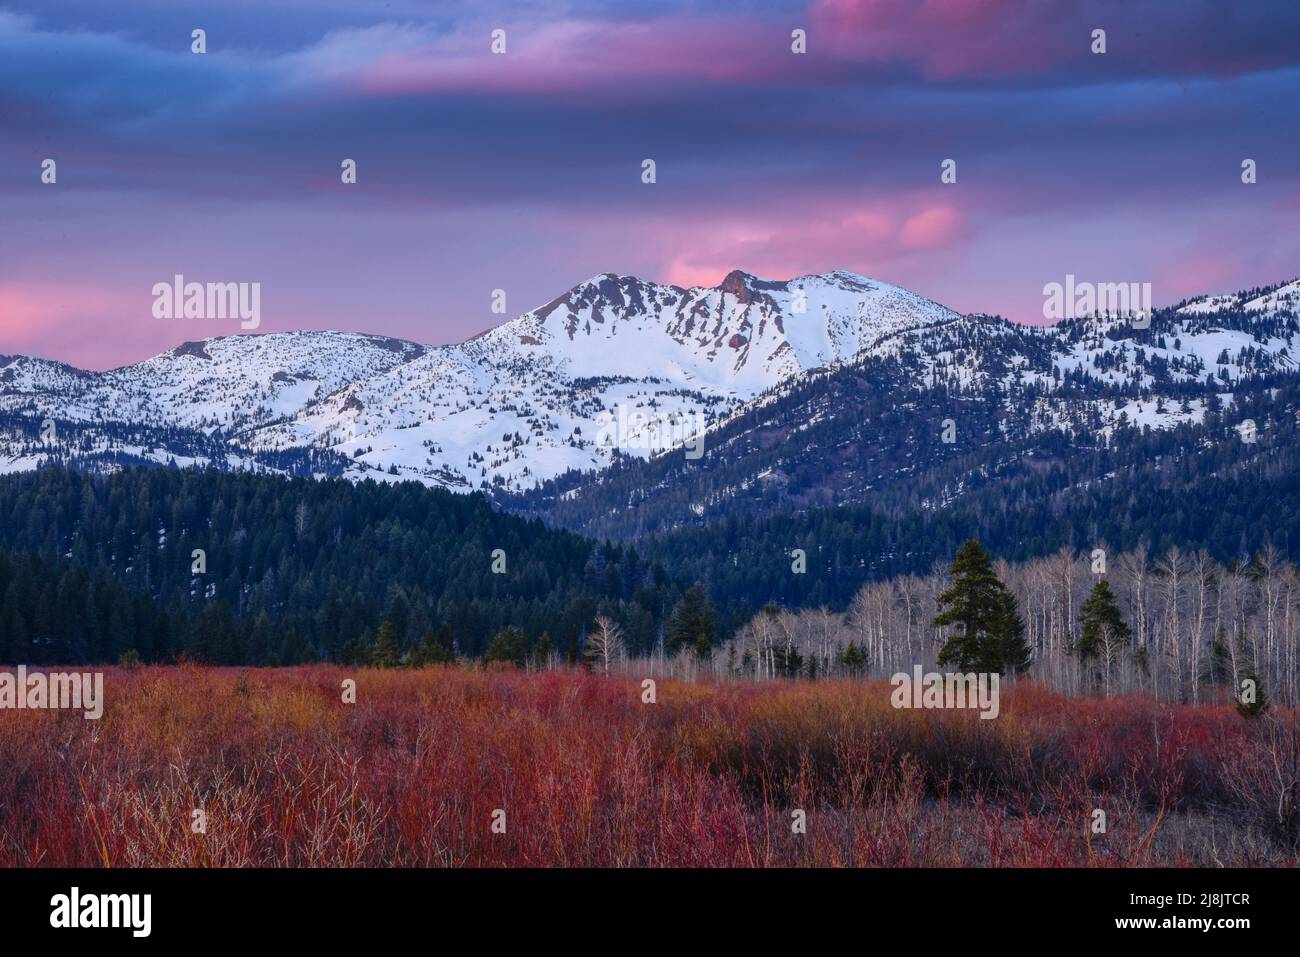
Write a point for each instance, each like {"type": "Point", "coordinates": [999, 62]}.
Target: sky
{"type": "Point", "coordinates": [522, 171]}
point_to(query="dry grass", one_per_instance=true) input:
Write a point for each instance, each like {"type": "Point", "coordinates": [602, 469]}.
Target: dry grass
{"type": "Point", "coordinates": [589, 776]}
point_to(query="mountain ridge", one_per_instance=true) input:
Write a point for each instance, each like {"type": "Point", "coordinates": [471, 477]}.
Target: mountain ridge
{"type": "Point", "coordinates": [548, 374]}
{"type": "Point", "coordinates": [532, 399]}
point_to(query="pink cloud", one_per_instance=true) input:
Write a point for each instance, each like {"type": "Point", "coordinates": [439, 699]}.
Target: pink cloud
{"type": "Point", "coordinates": [579, 55]}
{"type": "Point", "coordinates": [871, 239]}
{"type": "Point", "coordinates": [940, 39]}
{"type": "Point", "coordinates": [932, 228]}
{"type": "Point", "coordinates": [945, 38]}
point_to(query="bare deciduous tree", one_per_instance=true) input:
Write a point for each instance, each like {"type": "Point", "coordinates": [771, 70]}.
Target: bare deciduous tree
{"type": "Point", "coordinates": [1198, 627]}
{"type": "Point", "coordinates": [604, 644]}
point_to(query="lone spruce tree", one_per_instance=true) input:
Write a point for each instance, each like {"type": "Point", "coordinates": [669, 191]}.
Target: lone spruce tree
{"type": "Point", "coordinates": [383, 654]}
{"type": "Point", "coordinates": [991, 636]}
{"type": "Point", "coordinates": [692, 623]}
{"type": "Point", "coordinates": [1104, 632]}
{"type": "Point", "coordinates": [509, 646]}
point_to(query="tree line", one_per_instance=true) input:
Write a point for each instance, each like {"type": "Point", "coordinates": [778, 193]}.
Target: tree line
{"type": "Point", "coordinates": [1178, 625]}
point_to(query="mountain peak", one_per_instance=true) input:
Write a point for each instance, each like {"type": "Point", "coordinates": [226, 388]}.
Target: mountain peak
{"type": "Point", "coordinates": [521, 402]}
{"type": "Point", "coordinates": [735, 282]}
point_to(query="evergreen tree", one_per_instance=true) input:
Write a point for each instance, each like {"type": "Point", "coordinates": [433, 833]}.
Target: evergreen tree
{"type": "Point", "coordinates": [1218, 670]}
{"type": "Point", "coordinates": [1103, 629]}
{"type": "Point", "coordinates": [355, 652]}
{"type": "Point", "coordinates": [854, 659]}
{"type": "Point", "coordinates": [991, 636]}
{"type": "Point", "coordinates": [509, 646]}
{"type": "Point", "coordinates": [692, 624]}
{"type": "Point", "coordinates": [542, 650]}
{"type": "Point", "coordinates": [1256, 703]}
{"type": "Point", "coordinates": [433, 649]}
{"type": "Point", "coordinates": [383, 653]}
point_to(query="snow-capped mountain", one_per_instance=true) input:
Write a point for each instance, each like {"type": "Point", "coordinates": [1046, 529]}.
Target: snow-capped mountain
{"type": "Point", "coordinates": [1285, 297]}
{"type": "Point", "coordinates": [616, 365]}
{"type": "Point", "coordinates": [616, 362]}
{"type": "Point", "coordinates": [974, 412]}
{"type": "Point", "coordinates": [739, 337]}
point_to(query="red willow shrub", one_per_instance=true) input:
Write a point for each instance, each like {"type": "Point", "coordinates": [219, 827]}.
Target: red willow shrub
{"type": "Point", "coordinates": [286, 773]}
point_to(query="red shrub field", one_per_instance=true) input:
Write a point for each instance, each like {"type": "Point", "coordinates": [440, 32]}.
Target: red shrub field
{"type": "Point", "coordinates": [710, 774]}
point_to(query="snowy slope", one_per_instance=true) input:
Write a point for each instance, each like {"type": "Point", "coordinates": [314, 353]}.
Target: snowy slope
{"type": "Point", "coordinates": [535, 396]}
{"type": "Point", "coordinates": [522, 402]}
{"type": "Point", "coordinates": [743, 335]}
{"type": "Point", "coordinates": [1283, 297]}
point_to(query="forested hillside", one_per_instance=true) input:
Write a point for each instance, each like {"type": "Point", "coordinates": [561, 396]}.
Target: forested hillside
{"type": "Point", "coordinates": [1196, 486]}
{"type": "Point", "coordinates": [292, 570]}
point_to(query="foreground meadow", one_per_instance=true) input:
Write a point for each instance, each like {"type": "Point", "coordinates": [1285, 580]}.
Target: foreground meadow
{"type": "Point", "coordinates": [416, 771]}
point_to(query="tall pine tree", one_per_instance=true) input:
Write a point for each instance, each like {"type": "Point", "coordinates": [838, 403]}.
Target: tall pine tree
{"type": "Point", "coordinates": [693, 623]}
{"type": "Point", "coordinates": [1104, 631]}
{"type": "Point", "coordinates": [991, 636]}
